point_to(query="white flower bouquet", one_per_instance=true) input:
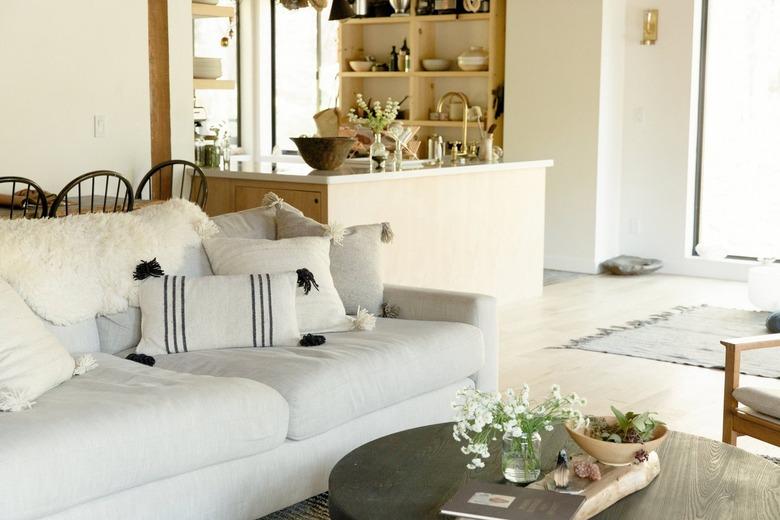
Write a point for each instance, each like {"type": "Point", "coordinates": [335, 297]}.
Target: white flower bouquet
{"type": "Point", "coordinates": [482, 416]}
{"type": "Point", "coordinates": [376, 117]}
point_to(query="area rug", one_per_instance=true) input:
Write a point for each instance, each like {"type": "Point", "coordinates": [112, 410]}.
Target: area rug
{"type": "Point", "coordinates": [314, 508]}
{"type": "Point", "coordinates": [688, 336]}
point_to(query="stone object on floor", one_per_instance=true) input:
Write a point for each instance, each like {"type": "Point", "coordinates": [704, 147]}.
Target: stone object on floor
{"type": "Point", "coordinates": [773, 323]}
{"type": "Point", "coordinates": [631, 265]}
{"type": "Point", "coordinates": [617, 482]}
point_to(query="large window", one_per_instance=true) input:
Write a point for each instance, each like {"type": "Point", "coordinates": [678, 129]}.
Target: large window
{"type": "Point", "coordinates": [305, 71]}
{"type": "Point", "coordinates": [739, 131]}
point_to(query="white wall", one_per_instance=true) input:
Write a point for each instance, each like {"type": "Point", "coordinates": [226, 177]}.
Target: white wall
{"type": "Point", "coordinates": [180, 62]}
{"type": "Point", "coordinates": [661, 94]}
{"type": "Point", "coordinates": [552, 112]}
{"type": "Point", "coordinates": [63, 63]}
{"type": "Point", "coordinates": [69, 61]}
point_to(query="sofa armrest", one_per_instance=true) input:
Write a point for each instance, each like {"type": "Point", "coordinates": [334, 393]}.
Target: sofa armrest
{"type": "Point", "coordinates": [474, 309]}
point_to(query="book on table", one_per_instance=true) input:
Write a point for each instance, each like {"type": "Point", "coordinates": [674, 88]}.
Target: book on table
{"type": "Point", "coordinates": [486, 501]}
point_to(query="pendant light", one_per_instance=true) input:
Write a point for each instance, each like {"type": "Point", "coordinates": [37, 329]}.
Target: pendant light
{"type": "Point", "coordinates": [340, 10]}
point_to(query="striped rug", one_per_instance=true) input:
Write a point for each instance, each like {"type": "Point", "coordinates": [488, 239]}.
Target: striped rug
{"type": "Point", "coordinates": [687, 336]}
{"type": "Point", "coordinates": [314, 508]}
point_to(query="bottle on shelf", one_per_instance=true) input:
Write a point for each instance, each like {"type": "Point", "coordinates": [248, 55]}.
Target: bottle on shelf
{"type": "Point", "coordinates": [393, 65]}
{"type": "Point", "coordinates": [424, 7]}
{"type": "Point", "coordinates": [405, 58]}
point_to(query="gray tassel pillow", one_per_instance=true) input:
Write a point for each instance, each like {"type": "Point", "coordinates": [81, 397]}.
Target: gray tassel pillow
{"type": "Point", "coordinates": [355, 256]}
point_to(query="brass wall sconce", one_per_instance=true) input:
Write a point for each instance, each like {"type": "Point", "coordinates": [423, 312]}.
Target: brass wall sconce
{"type": "Point", "coordinates": [650, 27]}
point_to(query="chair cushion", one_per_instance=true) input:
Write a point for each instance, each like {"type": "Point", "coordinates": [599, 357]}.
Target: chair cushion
{"type": "Point", "coordinates": [124, 424]}
{"type": "Point", "coordinates": [354, 373]}
{"type": "Point", "coordinates": [763, 400]}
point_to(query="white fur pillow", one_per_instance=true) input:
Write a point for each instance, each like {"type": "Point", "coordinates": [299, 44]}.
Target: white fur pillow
{"type": "Point", "coordinates": [184, 313]}
{"type": "Point", "coordinates": [32, 360]}
{"type": "Point", "coordinates": [319, 311]}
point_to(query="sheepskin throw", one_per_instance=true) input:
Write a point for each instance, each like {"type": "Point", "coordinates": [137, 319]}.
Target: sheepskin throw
{"type": "Point", "coordinates": [75, 268]}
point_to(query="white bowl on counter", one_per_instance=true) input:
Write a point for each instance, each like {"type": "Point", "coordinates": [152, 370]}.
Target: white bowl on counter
{"type": "Point", "coordinates": [361, 66]}
{"type": "Point", "coordinates": [474, 59]}
{"type": "Point", "coordinates": [436, 64]}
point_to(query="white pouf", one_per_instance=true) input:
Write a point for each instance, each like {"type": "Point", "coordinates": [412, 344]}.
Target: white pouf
{"type": "Point", "coordinates": [764, 286]}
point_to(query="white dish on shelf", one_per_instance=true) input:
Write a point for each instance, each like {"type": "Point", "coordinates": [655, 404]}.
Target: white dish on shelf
{"type": "Point", "coordinates": [361, 66]}
{"type": "Point", "coordinates": [474, 59]}
{"type": "Point", "coordinates": [436, 64]}
{"type": "Point", "coordinates": [209, 2]}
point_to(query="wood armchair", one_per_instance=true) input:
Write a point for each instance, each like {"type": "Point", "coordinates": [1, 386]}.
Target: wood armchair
{"type": "Point", "coordinates": [738, 421]}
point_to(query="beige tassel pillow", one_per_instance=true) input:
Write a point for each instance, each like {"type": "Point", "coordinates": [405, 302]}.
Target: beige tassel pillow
{"type": "Point", "coordinates": [355, 256]}
{"type": "Point", "coordinates": [32, 360]}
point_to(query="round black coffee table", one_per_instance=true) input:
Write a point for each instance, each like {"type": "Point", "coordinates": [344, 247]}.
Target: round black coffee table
{"type": "Point", "coordinates": [410, 474]}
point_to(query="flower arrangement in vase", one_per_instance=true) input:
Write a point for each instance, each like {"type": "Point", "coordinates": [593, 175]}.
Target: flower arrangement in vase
{"type": "Point", "coordinates": [481, 417]}
{"type": "Point", "coordinates": [376, 118]}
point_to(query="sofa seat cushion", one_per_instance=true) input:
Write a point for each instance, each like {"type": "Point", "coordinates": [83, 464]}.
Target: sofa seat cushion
{"type": "Point", "coordinates": [124, 424]}
{"type": "Point", "coordinates": [763, 400]}
{"type": "Point", "coordinates": [353, 373]}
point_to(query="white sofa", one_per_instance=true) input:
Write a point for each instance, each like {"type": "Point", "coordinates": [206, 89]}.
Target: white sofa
{"type": "Point", "coordinates": [235, 434]}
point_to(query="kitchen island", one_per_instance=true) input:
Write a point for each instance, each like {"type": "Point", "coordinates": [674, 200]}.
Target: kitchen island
{"type": "Point", "coordinates": [476, 227]}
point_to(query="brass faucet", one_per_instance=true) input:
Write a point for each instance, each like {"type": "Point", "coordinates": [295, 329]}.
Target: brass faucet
{"type": "Point", "coordinates": [465, 100]}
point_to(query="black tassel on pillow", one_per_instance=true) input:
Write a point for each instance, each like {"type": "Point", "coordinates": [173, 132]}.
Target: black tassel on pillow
{"type": "Point", "coordinates": [306, 280]}
{"type": "Point", "coordinates": [146, 269]}
{"type": "Point", "coordinates": [311, 340]}
{"type": "Point", "coordinates": [141, 358]}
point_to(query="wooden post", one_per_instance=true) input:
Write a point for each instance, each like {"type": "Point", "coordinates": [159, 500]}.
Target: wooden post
{"type": "Point", "coordinates": [159, 89]}
{"type": "Point", "coordinates": [731, 381]}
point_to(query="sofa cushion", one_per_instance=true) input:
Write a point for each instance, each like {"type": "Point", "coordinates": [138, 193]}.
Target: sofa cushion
{"type": "Point", "coordinates": [188, 313]}
{"type": "Point", "coordinates": [353, 373]}
{"type": "Point", "coordinates": [319, 310]}
{"type": "Point", "coordinates": [124, 424]}
{"type": "Point", "coordinates": [764, 400]}
{"type": "Point", "coordinates": [250, 223]}
{"type": "Point", "coordinates": [81, 336]}
{"type": "Point", "coordinates": [355, 258]}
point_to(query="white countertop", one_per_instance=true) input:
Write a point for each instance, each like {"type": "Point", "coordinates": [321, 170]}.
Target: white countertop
{"type": "Point", "coordinates": [292, 169]}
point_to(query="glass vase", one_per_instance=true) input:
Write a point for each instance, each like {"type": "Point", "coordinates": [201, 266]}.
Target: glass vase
{"type": "Point", "coordinates": [520, 461]}
{"type": "Point", "coordinates": [378, 154]}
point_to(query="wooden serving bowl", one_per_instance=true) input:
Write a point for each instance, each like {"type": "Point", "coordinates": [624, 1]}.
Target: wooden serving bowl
{"type": "Point", "coordinates": [324, 153]}
{"type": "Point", "coordinates": [613, 453]}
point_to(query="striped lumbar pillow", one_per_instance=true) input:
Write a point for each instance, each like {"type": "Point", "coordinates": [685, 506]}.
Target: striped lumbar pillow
{"type": "Point", "coordinates": [183, 313]}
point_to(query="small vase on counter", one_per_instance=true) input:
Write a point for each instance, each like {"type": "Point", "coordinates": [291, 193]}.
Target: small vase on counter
{"type": "Point", "coordinates": [377, 154]}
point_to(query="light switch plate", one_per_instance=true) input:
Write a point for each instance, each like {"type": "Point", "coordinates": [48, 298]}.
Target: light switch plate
{"type": "Point", "coordinates": [100, 125]}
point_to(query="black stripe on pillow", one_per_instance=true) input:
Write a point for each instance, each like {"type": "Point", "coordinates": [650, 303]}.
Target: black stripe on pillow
{"type": "Point", "coordinates": [165, 312]}
{"type": "Point", "coordinates": [262, 311]}
{"type": "Point", "coordinates": [270, 313]}
{"type": "Point", "coordinates": [254, 310]}
{"type": "Point", "coordinates": [183, 328]}
{"type": "Point", "coordinates": [173, 313]}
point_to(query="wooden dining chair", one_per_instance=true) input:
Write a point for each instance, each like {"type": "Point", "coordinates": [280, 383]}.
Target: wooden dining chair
{"type": "Point", "coordinates": [101, 191]}
{"type": "Point", "coordinates": [174, 179]}
{"type": "Point", "coordinates": [25, 200]}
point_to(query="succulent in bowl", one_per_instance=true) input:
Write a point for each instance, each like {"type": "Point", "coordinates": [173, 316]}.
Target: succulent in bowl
{"type": "Point", "coordinates": [620, 439]}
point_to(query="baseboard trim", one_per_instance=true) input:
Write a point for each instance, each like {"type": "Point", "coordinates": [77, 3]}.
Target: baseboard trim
{"type": "Point", "coordinates": [571, 263]}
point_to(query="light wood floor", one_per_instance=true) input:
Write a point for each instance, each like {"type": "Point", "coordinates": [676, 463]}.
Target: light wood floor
{"type": "Point", "coordinates": [688, 398]}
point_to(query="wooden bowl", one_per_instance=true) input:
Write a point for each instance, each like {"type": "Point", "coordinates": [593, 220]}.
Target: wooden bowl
{"type": "Point", "coordinates": [613, 453]}
{"type": "Point", "coordinates": [324, 153]}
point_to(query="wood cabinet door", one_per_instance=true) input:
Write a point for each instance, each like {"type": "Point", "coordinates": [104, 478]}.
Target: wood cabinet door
{"type": "Point", "coordinates": [311, 203]}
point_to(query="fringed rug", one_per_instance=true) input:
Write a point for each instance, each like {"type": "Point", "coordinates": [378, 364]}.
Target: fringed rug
{"type": "Point", "coordinates": [688, 336]}
{"type": "Point", "coordinates": [314, 508]}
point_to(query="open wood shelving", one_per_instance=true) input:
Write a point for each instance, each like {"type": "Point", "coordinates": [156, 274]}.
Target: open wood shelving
{"type": "Point", "coordinates": [428, 37]}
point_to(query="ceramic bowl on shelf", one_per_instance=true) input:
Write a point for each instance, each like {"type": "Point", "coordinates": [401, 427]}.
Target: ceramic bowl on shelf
{"type": "Point", "coordinates": [324, 153]}
{"type": "Point", "coordinates": [474, 59]}
{"type": "Point", "coordinates": [436, 64]}
{"type": "Point", "coordinates": [612, 453]}
{"type": "Point", "coordinates": [361, 66]}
